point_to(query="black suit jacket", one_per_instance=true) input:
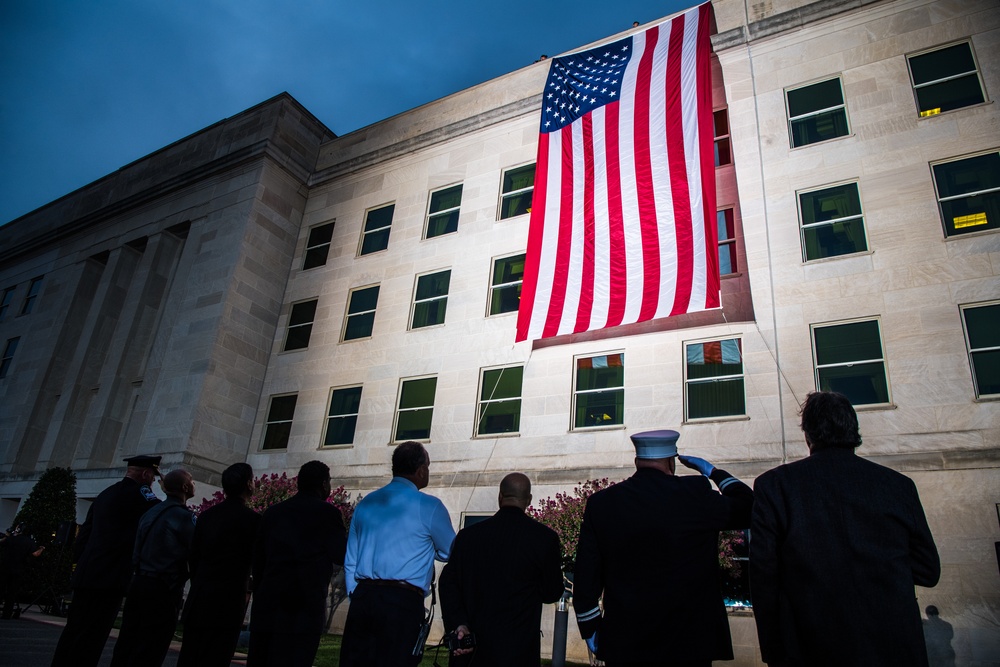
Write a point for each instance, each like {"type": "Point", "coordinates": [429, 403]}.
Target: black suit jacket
{"type": "Point", "coordinates": [838, 543]}
{"type": "Point", "coordinates": [649, 544]}
{"type": "Point", "coordinates": [103, 547]}
{"type": "Point", "coordinates": [499, 574]}
{"type": "Point", "coordinates": [298, 543]}
{"type": "Point", "coordinates": [221, 554]}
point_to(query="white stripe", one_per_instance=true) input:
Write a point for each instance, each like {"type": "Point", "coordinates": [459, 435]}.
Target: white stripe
{"type": "Point", "coordinates": [602, 224]}
{"type": "Point", "coordinates": [575, 269]}
{"type": "Point", "coordinates": [630, 197]}
{"type": "Point", "coordinates": [547, 254]}
{"type": "Point", "coordinates": [689, 114]}
{"type": "Point", "coordinates": [588, 615]}
{"type": "Point", "coordinates": [663, 196]}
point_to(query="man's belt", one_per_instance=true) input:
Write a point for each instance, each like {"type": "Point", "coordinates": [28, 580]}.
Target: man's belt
{"type": "Point", "coordinates": [393, 583]}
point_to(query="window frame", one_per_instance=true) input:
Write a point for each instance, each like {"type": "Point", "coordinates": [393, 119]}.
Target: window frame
{"type": "Point", "coordinates": [994, 191]}
{"type": "Point", "coordinates": [348, 314]}
{"type": "Point", "coordinates": [399, 409]}
{"type": "Point", "coordinates": [728, 242]}
{"type": "Point", "coordinates": [344, 415]}
{"type": "Point", "coordinates": [718, 139]}
{"type": "Point", "coordinates": [482, 405]}
{"type": "Point", "coordinates": [790, 120]}
{"type": "Point", "coordinates": [6, 298]}
{"type": "Point", "coordinates": [505, 195]}
{"type": "Point", "coordinates": [882, 360]}
{"type": "Point", "coordinates": [34, 290]}
{"type": "Point", "coordinates": [688, 381]}
{"type": "Point", "coordinates": [443, 212]}
{"type": "Point", "coordinates": [7, 358]}
{"type": "Point", "coordinates": [416, 302]}
{"type": "Point", "coordinates": [976, 71]}
{"type": "Point", "coordinates": [302, 325]}
{"type": "Point", "coordinates": [494, 286]}
{"type": "Point", "coordinates": [616, 390]}
{"type": "Point", "coordinates": [317, 248]}
{"type": "Point", "coordinates": [365, 232]}
{"type": "Point", "coordinates": [970, 351]}
{"type": "Point", "coordinates": [799, 194]}
{"type": "Point", "coordinates": [268, 422]}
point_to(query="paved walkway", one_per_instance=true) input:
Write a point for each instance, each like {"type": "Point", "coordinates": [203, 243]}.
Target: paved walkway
{"type": "Point", "coordinates": [31, 640]}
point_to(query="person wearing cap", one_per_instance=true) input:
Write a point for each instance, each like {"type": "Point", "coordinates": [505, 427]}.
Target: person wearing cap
{"type": "Point", "coordinates": [839, 542]}
{"type": "Point", "coordinates": [160, 561]}
{"type": "Point", "coordinates": [649, 546]}
{"type": "Point", "coordinates": [103, 556]}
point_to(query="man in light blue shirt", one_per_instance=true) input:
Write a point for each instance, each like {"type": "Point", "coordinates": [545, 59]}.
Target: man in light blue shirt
{"type": "Point", "coordinates": [396, 534]}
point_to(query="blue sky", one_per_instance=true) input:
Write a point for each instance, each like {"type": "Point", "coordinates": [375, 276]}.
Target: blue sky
{"type": "Point", "coordinates": [91, 85]}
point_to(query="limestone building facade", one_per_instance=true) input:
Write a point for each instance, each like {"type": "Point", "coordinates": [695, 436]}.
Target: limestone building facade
{"type": "Point", "coordinates": [266, 291]}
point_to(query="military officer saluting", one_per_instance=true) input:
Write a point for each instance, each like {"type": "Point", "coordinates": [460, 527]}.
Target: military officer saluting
{"type": "Point", "coordinates": [103, 557]}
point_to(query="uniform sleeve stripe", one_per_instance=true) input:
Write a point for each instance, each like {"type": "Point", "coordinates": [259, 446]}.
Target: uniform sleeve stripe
{"type": "Point", "coordinates": [583, 617]}
{"type": "Point", "coordinates": [726, 482]}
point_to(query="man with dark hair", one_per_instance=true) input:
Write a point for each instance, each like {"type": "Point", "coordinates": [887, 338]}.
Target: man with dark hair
{"type": "Point", "coordinates": [500, 572]}
{"type": "Point", "coordinates": [298, 543]}
{"type": "Point", "coordinates": [396, 534]}
{"type": "Point", "coordinates": [650, 547]}
{"type": "Point", "coordinates": [103, 556]}
{"type": "Point", "coordinates": [159, 559]}
{"type": "Point", "coordinates": [838, 542]}
{"type": "Point", "coordinates": [221, 553]}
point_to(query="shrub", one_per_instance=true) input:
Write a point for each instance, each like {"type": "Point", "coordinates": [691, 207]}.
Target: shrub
{"type": "Point", "coordinates": [52, 501]}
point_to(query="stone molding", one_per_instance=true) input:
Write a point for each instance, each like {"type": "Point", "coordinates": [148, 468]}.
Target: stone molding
{"type": "Point", "coordinates": [785, 21]}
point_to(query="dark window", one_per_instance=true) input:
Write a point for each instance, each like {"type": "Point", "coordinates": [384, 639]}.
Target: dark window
{"type": "Point", "coordinates": [968, 193]}
{"type": "Point", "coordinates": [361, 313]}
{"type": "Point", "coordinates": [8, 355]}
{"type": "Point", "coordinates": [518, 186]}
{"type": "Point", "coordinates": [982, 336]}
{"type": "Point", "coordinates": [714, 379]}
{"type": "Point", "coordinates": [832, 223]}
{"type": "Point", "coordinates": [816, 113]}
{"type": "Point", "coordinates": [318, 246]}
{"type": "Point", "coordinates": [8, 296]}
{"type": "Point", "coordinates": [34, 287]}
{"type": "Point", "coordinates": [279, 422]}
{"type": "Point", "coordinates": [378, 222]}
{"type": "Point", "coordinates": [505, 289]}
{"type": "Point", "coordinates": [443, 213]}
{"type": "Point", "coordinates": [300, 324]}
{"type": "Point", "coordinates": [599, 397]}
{"type": "Point", "coordinates": [945, 79]}
{"type": "Point", "coordinates": [430, 301]}
{"type": "Point", "coordinates": [416, 407]}
{"type": "Point", "coordinates": [849, 359]}
{"type": "Point", "coordinates": [500, 401]}
{"type": "Point", "coordinates": [723, 153]}
{"type": "Point", "coordinates": [727, 241]}
{"type": "Point", "coordinates": [342, 419]}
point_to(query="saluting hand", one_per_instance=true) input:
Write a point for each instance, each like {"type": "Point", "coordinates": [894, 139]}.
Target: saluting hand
{"type": "Point", "coordinates": [701, 465]}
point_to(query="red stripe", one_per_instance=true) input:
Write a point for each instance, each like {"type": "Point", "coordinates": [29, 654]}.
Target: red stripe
{"type": "Point", "coordinates": [706, 136]}
{"type": "Point", "coordinates": [565, 241]}
{"type": "Point", "coordinates": [678, 170]}
{"type": "Point", "coordinates": [644, 183]}
{"type": "Point", "coordinates": [533, 254]}
{"type": "Point", "coordinates": [616, 224]}
{"type": "Point", "coordinates": [586, 304]}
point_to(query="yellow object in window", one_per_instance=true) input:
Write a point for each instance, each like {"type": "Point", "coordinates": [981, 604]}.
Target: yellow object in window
{"type": "Point", "coordinates": [962, 221]}
{"type": "Point", "coordinates": [930, 112]}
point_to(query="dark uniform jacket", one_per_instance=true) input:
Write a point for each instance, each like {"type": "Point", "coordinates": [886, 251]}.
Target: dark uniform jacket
{"type": "Point", "coordinates": [650, 545]}
{"type": "Point", "coordinates": [103, 547]}
{"type": "Point", "coordinates": [298, 543]}
{"type": "Point", "coordinates": [499, 574]}
{"type": "Point", "coordinates": [838, 543]}
{"type": "Point", "coordinates": [221, 553]}
{"type": "Point", "coordinates": [163, 543]}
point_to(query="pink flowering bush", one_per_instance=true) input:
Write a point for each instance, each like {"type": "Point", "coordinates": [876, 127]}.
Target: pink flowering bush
{"type": "Point", "coordinates": [273, 488]}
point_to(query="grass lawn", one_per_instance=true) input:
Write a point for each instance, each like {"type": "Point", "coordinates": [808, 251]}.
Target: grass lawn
{"type": "Point", "coordinates": [328, 655]}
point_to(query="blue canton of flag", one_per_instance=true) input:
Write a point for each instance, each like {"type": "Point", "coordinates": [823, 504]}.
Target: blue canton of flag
{"type": "Point", "coordinates": [581, 82]}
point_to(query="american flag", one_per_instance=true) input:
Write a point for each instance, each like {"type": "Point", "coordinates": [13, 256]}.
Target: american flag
{"type": "Point", "coordinates": [622, 226]}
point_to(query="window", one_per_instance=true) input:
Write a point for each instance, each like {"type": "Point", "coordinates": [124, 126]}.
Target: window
{"type": "Point", "coordinates": [723, 154]}
{"type": "Point", "coordinates": [318, 246]}
{"type": "Point", "coordinates": [300, 324]}
{"type": "Point", "coordinates": [8, 296]}
{"type": "Point", "coordinates": [945, 79]}
{"type": "Point", "coordinates": [360, 313]}
{"type": "Point", "coordinates": [816, 113]}
{"type": "Point", "coordinates": [279, 422]}
{"type": "Point", "coordinates": [518, 186]}
{"type": "Point", "coordinates": [442, 216]}
{"type": "Point", "coordinates": [430, 299]}
{"type": "Point", "coordinates": [599, 395]}
{"type": "Point", "coordinates": [375, 236]}
{"type": "Point", "coordinates": [8, 355]}
{"type": "Point", "coordinates": [982, 337]}
{"type": "Point", "coordinates": [342, 419]}
{"type": "Point", "coordinates": [416, 406]}
{"type": "Point", "coordinates": [34, 287]}
{"type": "Point", "coordinates": [713, 379]}
{"type": "Point", "coordinates": [831, 222]}
{"type": "Point", "coordinates": [499, 400]}
{"type": "Point", "coordinates": [727, 241]}
{"type": "Point", "coordinates": [848, 358]}
{"type": "Point", "coordinates": [505, 289]}
{"type": "Point", "coordinates": [968, 192]}
{"type": "Point", "coordinates": [472, 518]}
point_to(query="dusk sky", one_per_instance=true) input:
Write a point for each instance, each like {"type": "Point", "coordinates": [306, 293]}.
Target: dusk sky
{"type": "Point", "coordinates": [91, 86]}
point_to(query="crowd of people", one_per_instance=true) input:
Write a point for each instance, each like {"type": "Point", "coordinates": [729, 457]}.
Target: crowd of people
{"type": "Point", "coordinates": [837, 545]}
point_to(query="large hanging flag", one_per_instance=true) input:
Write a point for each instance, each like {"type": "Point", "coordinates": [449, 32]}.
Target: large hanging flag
{"type": "Point", "coordinates": [622, 226]}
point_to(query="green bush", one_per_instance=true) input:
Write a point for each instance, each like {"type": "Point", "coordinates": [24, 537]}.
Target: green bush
{"type": "Point", "coordinates": [51, 502]}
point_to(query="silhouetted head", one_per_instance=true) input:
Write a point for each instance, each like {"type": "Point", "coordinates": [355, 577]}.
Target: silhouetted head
{"type": "Point", "coordinates": [237, 479]}
{"type": "Point", "coordinates": [314, 479]}
{"type": "Point", "coordinates": [829, 420]}
{"type": "Point", "coordinates": [411, 461]}
{"type": "Point", "coordinates": [515, 491]}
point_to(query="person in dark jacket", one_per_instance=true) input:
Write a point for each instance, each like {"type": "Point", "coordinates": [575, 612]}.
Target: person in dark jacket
{"type": "Point", "coordinates": [650, 546]}
{"type": "Point", "coordinates": [16, 546]}
{"type": "Point", "coordinates": [298, 543]}
{"type": "Point", "coordinates": [103, 556]}
{"type": "Point", "coordinates": [500, 572]}
{"type": "Point", "coordinates": [153, 600]}
{"type": "Point", "coordinates": [221, 553]}
{"type": "Point", "coordinates": [837, 544]}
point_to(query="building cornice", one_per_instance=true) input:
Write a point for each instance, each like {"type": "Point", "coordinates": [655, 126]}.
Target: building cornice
{"type": "Point", "coordinates": [785, 21]}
